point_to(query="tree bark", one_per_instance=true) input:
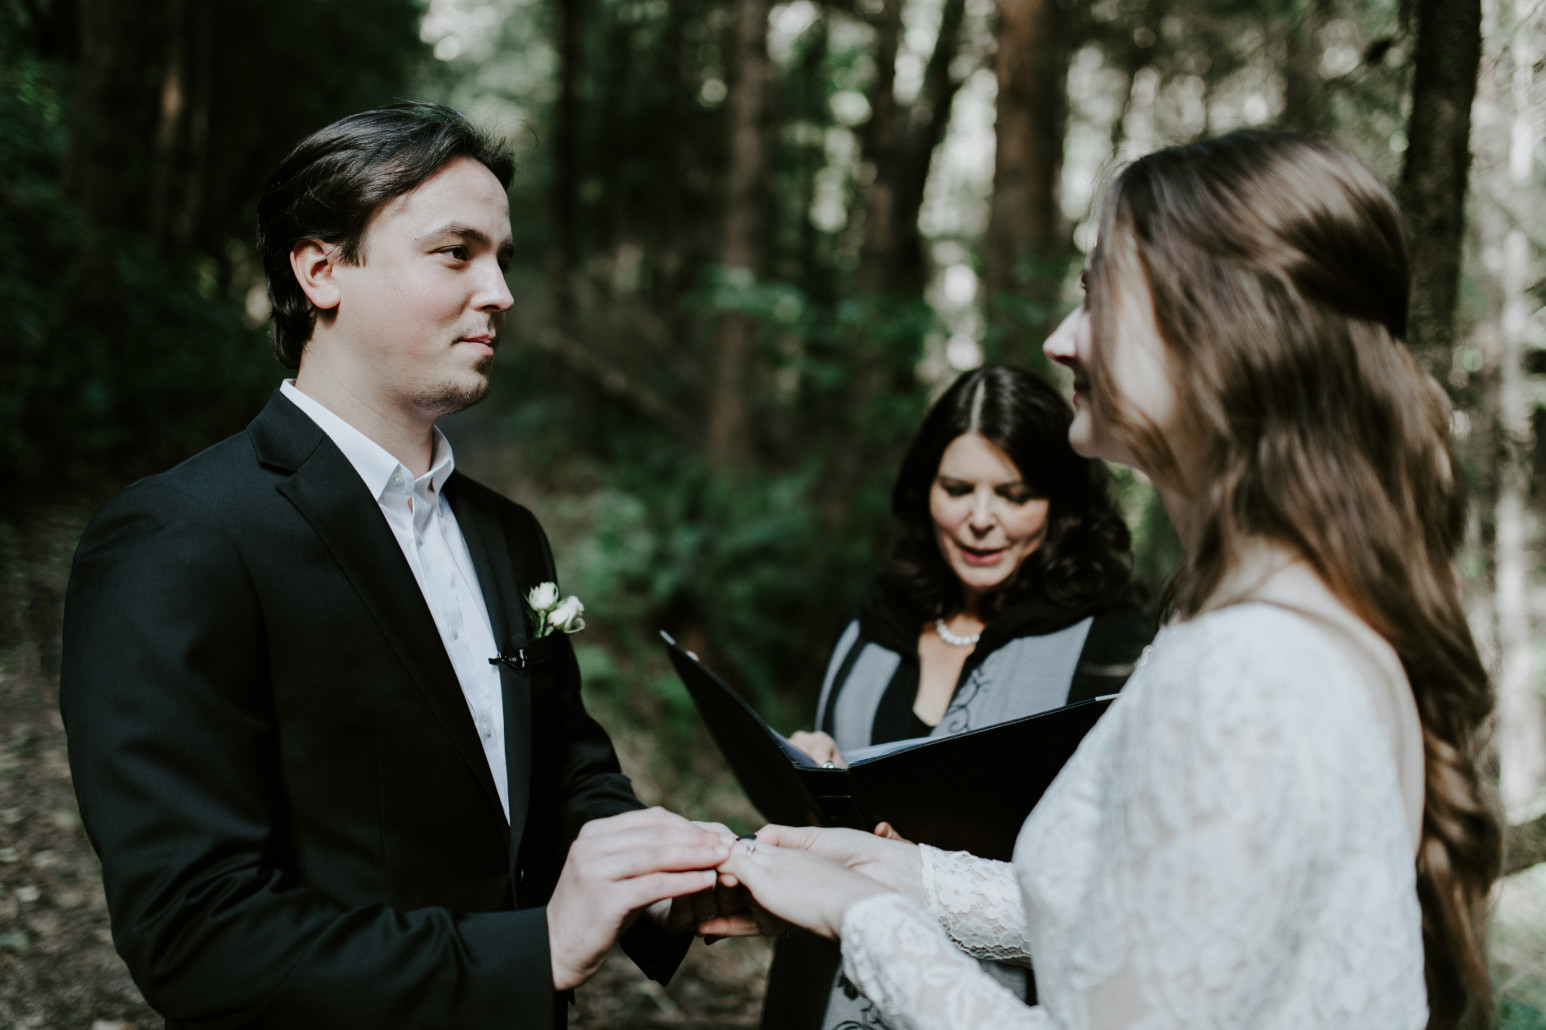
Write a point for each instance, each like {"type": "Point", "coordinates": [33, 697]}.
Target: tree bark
{"type": "Point", "coordinates": [1026, 243]}
{"type": "Point", "coordinates": [1304, 103]}
{"type": "Point", "coordinates": [895, 251]}
{"type": "Point", "coordinates": [104, 168]}
{"type": "Point", "coordinates": [728, 423]}
{"type": "Point", "coordinates": [565, 191]}
{"type": "Point", "coordinates": [170, 121]}
{"type": "Point", "coordinates": [1521, 714]}
{"type": "Point", "coordinates": [1438, 159]}
{"type": "Point", "coordinates": [880, 146]}
{"type": "Point", "coordinates": [1524, 846]}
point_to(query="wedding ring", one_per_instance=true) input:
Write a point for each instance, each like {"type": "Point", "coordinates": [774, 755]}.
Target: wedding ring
{"type": "Point", "coordinates": [750, 848]}
{"type": "Point", "coordinates": [829, 764]}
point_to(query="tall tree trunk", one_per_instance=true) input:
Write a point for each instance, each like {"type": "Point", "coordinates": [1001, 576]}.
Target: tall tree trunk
{"type": "Point", "coordinates": [744, 202]}
{"type": "Point", "coordinates": [1027, 246]}
{"type": "Point", "coordinates": [880, 143]}
{"type": "Point", "coordinates": [1304, 100]}
{"type": "Point", "coordinates": [565, 192]}
{"type": "Point", "coordinates": [1521, 715]}
{"type": "Point", "coordinates": [1438, 158]}
{"type": "Point", "coordinates": [104, 168]}
{"type": "Point", "coordinates": [170, 121]}
{"type": "Point", "coordinates": [899, 145]}
{"type": "Point", "coordinates": [921, 129]}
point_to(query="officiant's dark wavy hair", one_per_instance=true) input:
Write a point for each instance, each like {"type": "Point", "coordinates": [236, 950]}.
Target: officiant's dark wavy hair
{"type": "Point", "coordinates": [335, 180]}
{"type": "Point", "coordinates": [1278, 273]}
{"type": "Point", "coordinates": [1085, 554]}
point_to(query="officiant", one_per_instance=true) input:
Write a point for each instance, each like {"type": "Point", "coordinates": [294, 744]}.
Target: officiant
{"type": "Point", "coordinates": [1009, 593]}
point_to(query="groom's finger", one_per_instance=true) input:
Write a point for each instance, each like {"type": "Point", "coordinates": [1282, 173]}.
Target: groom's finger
{"type": "Point", "coordinates": [645, 860]}
{"type": "Point", "coordinates": [641, 891]}
{"type": "Point", "coordinates": [739, 925]}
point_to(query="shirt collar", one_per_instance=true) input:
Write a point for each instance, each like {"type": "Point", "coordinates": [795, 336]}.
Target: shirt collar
{"type": "Point", "coordinates": [374, 463]}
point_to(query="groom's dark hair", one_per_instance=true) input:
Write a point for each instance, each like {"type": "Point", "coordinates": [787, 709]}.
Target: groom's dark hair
{"type": "Point", "coordinates": [335, 180]}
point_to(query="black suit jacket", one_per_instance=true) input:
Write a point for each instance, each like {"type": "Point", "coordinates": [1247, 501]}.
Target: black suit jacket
{"type": "Point", "coordinates": [276, 764]}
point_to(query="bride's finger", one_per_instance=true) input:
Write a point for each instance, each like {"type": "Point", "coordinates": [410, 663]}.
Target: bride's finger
{"type": "Point", "coordinates": [787, 836]}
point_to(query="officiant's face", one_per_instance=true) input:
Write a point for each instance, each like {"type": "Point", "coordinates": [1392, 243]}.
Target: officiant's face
{"type": "Point", "coordinates": [425, 306]}
{"type": "Point", "coordinates": [987, 518]}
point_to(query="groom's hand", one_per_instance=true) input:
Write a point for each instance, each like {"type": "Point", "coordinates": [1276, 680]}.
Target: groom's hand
{"type": "Point", "coordinates": [616, 867]}
{"type": "Point", "coordinates": [683, 914]}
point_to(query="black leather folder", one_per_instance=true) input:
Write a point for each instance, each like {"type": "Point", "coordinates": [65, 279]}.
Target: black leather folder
{"type": "Point", "coordinates": [966, 792]}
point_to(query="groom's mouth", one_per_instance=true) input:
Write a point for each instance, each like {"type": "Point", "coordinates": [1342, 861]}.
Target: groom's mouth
{"type": "Point", "coordinates": [484, 342]}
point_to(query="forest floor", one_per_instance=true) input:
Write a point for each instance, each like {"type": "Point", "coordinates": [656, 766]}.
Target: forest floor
{"type": "Point", "coordinates": [58, 969]}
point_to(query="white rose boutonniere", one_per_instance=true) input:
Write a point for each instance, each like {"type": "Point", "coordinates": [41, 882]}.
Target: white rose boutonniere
{"type": "Point", "coordinates": [568, 616]}
{"type": "Point", "coordinates": [548, 613]}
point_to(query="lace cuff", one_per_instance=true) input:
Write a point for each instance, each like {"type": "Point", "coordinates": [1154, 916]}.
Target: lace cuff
{"type": "Point", "coordinates": [895, 954]}
{"type": "Point", "coordinates": [978, 902]}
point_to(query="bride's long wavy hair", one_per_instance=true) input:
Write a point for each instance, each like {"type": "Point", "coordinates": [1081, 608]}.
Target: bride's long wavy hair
{"type": "Point", "coordinates": [1278, 272]}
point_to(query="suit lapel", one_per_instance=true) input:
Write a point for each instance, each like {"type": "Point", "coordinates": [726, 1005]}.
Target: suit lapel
{"type": "Point", "coordinates": [328, 492]}
{"type": "Point", "coordinates": [502, 595]}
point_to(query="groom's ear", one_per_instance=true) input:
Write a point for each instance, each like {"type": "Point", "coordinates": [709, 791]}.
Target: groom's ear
{"type": "Point", "coordinates": [313, 263]}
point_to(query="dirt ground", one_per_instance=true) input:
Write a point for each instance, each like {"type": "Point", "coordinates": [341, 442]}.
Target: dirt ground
{"type": "Point", "coordinates": [58, 969]}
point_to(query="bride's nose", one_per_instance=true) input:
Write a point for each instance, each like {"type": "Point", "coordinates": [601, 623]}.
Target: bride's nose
{"type": "Point", "coordinates": [1059, 346]}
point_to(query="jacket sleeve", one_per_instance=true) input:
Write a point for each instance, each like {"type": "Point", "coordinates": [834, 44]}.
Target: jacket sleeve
{"type": "Point", "coordinates": [173, 748]}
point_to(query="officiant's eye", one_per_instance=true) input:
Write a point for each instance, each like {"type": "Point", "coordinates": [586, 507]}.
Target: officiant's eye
{"type": "Point", "coordinates": [458, 253]}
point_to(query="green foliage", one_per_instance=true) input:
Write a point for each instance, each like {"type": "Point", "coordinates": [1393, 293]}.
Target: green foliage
{"type": "Point", "coordinates": [1514, 1014]}
{"type": "Point", "coordinates": [152, 380]}
{"type": "Point", "coordinates": [747, 567]}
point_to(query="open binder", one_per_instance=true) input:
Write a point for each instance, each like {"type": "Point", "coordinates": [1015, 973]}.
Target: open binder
{"type": "Point", "coordinates": [967, 792]}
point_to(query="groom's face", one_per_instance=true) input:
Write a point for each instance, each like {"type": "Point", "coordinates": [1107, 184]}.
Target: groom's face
{"type": "Point", "coordinates": [425, 306]}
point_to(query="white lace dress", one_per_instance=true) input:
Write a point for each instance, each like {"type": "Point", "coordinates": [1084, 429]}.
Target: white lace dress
{"type": "Point", "coordinates": [1227, 849]}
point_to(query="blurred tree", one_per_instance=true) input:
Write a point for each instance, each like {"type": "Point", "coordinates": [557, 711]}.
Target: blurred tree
{"type": "Point", "coordinates": [1027, 249]}
{"type": "Point", "coordinates": [1438, 158]}
{"type": "Point", "coordinates": [131, 162]}
{"type": "Point", "coordinates": [745, 199]}
{"type": "Point", "coordinates": [1509, 85]}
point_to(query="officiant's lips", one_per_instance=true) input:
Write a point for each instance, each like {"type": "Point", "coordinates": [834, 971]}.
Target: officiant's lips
{"type": "Point", "coordinates": [979, 555]}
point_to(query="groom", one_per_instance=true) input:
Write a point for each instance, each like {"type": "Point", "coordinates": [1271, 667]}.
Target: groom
{"type": "Point", "coordinates": [333, 776]}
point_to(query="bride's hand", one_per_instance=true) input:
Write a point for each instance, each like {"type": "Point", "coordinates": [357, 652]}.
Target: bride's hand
{"type": "Point", "coordinates": [794, 884]}
{"type": "Point", "coordinates": [894, 863]}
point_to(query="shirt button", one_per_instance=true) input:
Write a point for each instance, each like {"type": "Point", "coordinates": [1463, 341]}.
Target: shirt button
{"type": "Point", "coordinates": [397, 480]}
{"type": "Point", "coordinates": [455, 635]}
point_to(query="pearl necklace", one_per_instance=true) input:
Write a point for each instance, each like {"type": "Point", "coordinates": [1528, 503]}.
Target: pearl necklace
{"type": "Point", "coordinates": [955, 639]}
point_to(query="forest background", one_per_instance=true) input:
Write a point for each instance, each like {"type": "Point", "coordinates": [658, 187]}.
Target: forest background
{"type": "Point", "coordinates": [752, 240]}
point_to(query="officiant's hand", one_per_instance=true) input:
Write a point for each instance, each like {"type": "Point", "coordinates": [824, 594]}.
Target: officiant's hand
{"type": "Point", "coordinates": [616, 868]}
{"type": "Point", "coordinates": [819, 746]}
{"type": "Point", "coordinates": [795, 885]}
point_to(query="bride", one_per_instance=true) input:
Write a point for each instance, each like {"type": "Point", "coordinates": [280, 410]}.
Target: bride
{"type": "Point", "coordinates": [1281, 822]}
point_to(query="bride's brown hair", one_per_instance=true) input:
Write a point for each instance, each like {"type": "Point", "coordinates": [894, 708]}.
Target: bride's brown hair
{"type": "Point", "coordinates": [1278, 272]}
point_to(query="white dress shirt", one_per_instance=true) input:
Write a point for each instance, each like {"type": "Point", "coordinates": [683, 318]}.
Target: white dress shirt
{"type": "Point", "coordinates": [425, 527]}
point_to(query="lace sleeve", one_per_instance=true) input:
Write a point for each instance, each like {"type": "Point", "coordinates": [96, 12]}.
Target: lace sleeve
{"type": "Point", "coordinates": [978, 902]}
{"type": "Point", "coordinates": [896, 954]}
